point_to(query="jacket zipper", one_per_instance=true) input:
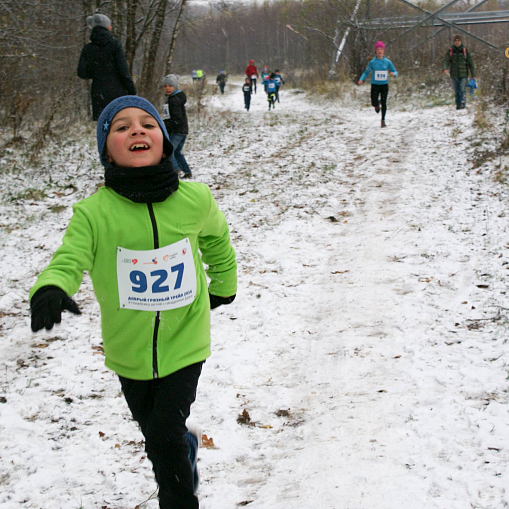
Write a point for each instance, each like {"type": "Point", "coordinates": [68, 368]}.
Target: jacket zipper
{"type": "Point", "coordinates": [155, 371]}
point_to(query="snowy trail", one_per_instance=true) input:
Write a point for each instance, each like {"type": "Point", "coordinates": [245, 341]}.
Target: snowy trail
{"type": "Point", "coordinates": [367, 345]}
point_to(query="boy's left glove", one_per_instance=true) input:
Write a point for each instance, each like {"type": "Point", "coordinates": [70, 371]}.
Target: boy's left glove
{"type": "Point", "coordinates": [47, 305]}
{"type": "Point", "coordinates": [216, 301]}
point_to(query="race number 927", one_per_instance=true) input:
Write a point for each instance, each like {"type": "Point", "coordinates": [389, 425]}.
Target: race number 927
{"type": "Point", "coordinates": [156, 279]}
{"type": "Point", "coordinates": [140, 282]}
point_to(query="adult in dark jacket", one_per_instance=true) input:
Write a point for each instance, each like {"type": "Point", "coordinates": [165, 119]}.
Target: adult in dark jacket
{"type": "Point", "coordinates": [175, 121]}
{"type": "Point", "coordinates": [221, 81]}
{"type": "Point", "coordinates": [103, 61]}
{"type": "Point", "coordinates": [457, 63]}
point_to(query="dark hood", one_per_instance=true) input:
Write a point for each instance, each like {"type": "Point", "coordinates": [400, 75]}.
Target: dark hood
{"type": "Point", "coordinates": [101, 36]}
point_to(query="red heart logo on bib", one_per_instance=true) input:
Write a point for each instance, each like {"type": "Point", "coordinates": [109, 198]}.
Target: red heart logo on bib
{"type": "Point", "coordinates": [135, 261]}
{"type": "Point", "coordinates": [165, 257]}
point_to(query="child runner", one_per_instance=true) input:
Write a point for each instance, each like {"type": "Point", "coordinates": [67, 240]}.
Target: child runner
{"type": "Point", "coordinates": [380, 68]}
{"type": "Point", "coordinates": [265, 73]}
{"type": "Point", "coordinates": [279, 81]}
{"type": "Point", "coordinates": [248, 90]}
{"type": "Point", "coordinates": [155, 318]}
{"type": "Point", "coordinates": [175, 120]}
{"type": "Point", "coordinates": [271, 89]}
{"type": "Point", "coordinates": [252, 73]}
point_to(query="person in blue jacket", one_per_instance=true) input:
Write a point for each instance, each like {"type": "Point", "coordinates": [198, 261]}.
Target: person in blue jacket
{"type": "Point", "coordinates": [381, 68]}
{"type": "Point", "coordinates": [271, 91]}
{"type": "Point", "coordinates": [279, 81]}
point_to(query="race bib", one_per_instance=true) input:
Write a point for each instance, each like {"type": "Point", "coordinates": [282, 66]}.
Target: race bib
{"type": "Point", "coordinates": [381, 75]}
{"type": "Point", "coordinates": [157, 279]}
{"type": "Point", "coordinates": [253, 77]}
{"type": "Point", "coordinates": [166, 112]}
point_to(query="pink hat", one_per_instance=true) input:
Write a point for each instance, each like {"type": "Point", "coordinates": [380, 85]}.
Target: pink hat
{"type": "Point", "coordinates": [379, 44]}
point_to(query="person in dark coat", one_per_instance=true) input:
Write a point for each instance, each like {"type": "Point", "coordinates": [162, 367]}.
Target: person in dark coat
{"type": "Point", "coordinates": [102, 60]}
{"type": "Point", "coordinates": [221, 81]}
{"type": "Point", "coordinates": [175, 121]}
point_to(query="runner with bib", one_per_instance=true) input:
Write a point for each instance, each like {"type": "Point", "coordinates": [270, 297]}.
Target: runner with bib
{"type": "Point", "coordinates": [252, 73]}
{"type": "Point", "coordinates": [381, 68]}
{"type": "Point", "coordinates": [143, 238]}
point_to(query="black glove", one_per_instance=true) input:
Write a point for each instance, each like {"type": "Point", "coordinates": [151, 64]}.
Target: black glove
{"type": "Point", "coordinates": [46, 306]}
{"type": "Point", "coordinates": [216, 301]}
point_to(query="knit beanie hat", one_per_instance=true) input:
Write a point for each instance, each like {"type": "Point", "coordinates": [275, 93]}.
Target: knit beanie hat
{"type": "Point", "coordinates": [172, 80]}
{"type": "Point", "coordinates": [98, 20]}
{"type": "Point", "coordinates": [379, 44]}
{"type": "Point", "coordinates": [107, 115]}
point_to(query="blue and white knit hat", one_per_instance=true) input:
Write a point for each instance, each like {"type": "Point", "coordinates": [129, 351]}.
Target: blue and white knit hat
{"type": "Point", "coordinates": [107, 115]}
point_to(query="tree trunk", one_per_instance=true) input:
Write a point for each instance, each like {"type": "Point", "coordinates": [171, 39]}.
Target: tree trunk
{"type": "Point", "coordinates": [169, 59]}
{"type": "Point", "coordinates": [130, 43]}
{"type": "Point", "coordinates": [147, 73]}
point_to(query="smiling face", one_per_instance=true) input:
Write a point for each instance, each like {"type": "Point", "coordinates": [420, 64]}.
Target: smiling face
{"type": "Point", "coordinates": [379, 52]}
{"type": "Point", "coordinates": [457, 42]}
{"type": "Point", "coordinates": [135, 139]}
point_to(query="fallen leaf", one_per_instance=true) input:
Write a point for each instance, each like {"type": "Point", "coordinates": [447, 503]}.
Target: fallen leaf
{"type": "Point", "coordinates": [207, 442]}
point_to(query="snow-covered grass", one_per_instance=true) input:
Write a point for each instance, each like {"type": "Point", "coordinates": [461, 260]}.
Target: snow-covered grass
{"type": "Point", "coordinates": [364, 363]}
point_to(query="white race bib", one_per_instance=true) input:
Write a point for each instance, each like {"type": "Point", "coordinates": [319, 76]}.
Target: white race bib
{"type": "Point", "coordinates": [157, 279]}
{"type": "Point", "coordinates": [253, 77]}
{"type": "Point", "coordinates": [381, 75]}
{"type": "Point", "coordinates": [166, 112]}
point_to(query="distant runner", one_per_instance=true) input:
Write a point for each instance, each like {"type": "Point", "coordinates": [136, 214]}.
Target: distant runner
{"type": "Point", "coordinates": [246, 88]}
{"type": "Point", "coordinates": [252, 73]}
{"type": "Point", "coordinates": [381, 68]}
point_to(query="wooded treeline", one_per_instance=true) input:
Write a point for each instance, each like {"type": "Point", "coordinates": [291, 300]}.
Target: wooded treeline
{"type": "Point", "coordinates": [41, 40]}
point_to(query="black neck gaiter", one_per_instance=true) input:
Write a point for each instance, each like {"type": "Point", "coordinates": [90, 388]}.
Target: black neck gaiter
{"type": "Point", "coordinates": [148, 184]}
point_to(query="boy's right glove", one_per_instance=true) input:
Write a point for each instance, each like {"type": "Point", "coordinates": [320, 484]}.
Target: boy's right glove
{"type": "Point", "coordinates": [216, 301]}
{"type": "Point", "coordinates": [46, 306]}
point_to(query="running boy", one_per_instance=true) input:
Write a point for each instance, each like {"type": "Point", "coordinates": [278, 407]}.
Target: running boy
{"type": "Point", "coordinates": [380, 68]}
{"type": "Point", "coordinates": [271, 90]}
{"type": "Point", "coordinates": [279, 81]}
{"type": "Point", "coordinates": [140, 238]}
{"type": "Point", "coordinates": [248, 90]}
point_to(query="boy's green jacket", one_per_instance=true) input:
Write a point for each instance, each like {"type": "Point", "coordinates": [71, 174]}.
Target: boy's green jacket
{"type": "Point", "coordinates": [457, 64]}
{"type": "Point", "coordinates": [138, 344]}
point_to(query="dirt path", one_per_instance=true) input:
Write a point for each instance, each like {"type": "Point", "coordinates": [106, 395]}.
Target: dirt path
{"type": "Point", "coordinates": [368, 255]}
{"type": "Point", "coordinates": [364, 362]}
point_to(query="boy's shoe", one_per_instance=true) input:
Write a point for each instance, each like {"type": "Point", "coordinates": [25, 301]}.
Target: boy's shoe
{"type": "Point", "coordinates": [377, 108]}
{"type": "Point", "coordinates": [383, 124]}
{"type": "Point", "coordinates": [193, 437]}
{"type": "Point", "coordinates": [187, 175]}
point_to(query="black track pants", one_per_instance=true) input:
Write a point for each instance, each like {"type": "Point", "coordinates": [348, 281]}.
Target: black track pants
{"type": "Point", "coordinates": [379, 95]}
{"type": "Point", "coordinates": [161, 407]}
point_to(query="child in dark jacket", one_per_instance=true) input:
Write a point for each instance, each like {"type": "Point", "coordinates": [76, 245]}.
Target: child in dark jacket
{"type": "Point", "coordinates": [279, 81]}
{"type": "Point", "coordinates": [175, 120]}
{"type": "Point", "coordinates": [143, 238]}
{"type": "Point", "coordinates": [248, 90]}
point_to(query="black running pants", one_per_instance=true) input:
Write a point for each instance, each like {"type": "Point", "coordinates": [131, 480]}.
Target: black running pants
{"type": "Point", "coordinates": [379, 95]}
{"type": "Point", "coordinates": [161, 407]}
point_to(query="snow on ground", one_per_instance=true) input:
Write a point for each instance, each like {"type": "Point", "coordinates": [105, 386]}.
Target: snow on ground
{"type": "Point", "coordinates": [364, 363]}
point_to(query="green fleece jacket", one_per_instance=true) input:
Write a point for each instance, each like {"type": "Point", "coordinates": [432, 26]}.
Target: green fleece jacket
{"type": "Point", "coordinates": [142, 345]}
{"type": "Point", "coordinates": [457, 64]}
